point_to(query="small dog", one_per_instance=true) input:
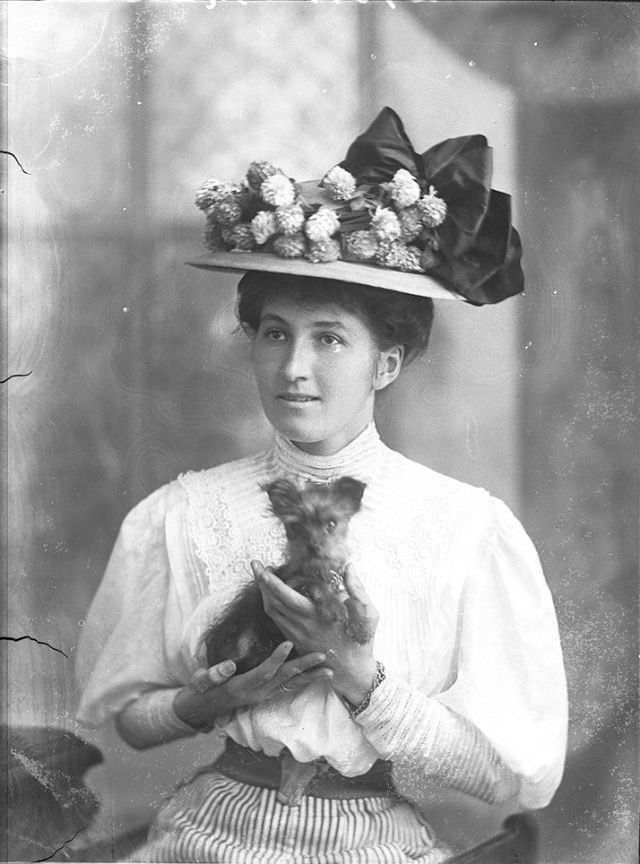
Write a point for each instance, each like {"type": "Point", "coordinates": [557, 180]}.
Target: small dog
{"type": "Point", "coordinates": [316, 519]}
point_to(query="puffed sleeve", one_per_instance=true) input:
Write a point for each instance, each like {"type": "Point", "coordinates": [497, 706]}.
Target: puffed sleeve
{"type": "Point", "coordinates": [501, 727]}
{"type": "Point", "coordinates": [122, 651]}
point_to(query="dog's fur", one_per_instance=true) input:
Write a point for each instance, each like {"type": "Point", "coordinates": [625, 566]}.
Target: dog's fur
{"type": "Point", "coordinates": [316, 520]}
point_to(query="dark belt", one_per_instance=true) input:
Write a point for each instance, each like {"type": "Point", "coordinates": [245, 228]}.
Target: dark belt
{"type": "Point", "coordinates": [320, 780]}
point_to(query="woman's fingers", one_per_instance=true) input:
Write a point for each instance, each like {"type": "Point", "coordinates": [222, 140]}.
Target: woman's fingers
{"type": "Point", "coordinates": [277, 668]}
{"type": "Point", "coordinates": [321, 674]}
{"type": "Point", "coordinates": [203, 680]}
{"type": "Point", "coordinates": [297, 682]}
{"type": "Point", "coordinates": [200, 681]}
{"type": "Point", "coordinates": [300, 665]}
{"type": "Point", "coordinates": [354, 586]}
{"type": "Point", "coordinates": [257, 568]}
{"type": "Point", "coordinates": [276, 674]}
{"type": "Point", "coordinates": [279, 597]}
{"type": "Point", "coordinates": [250, 687]}
{"type": "Point", "coordinates": [269, 668]}
{"type": "Point", "coordinates": [221, 672]}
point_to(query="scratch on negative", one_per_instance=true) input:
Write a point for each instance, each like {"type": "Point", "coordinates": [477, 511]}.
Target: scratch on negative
{"type": "Point", "coordinates": [15, 375]}
{"type": "Point", "coordinates": [60, 848]}
{"type": "Point", "coordinates": [9, 153]}
{"type": "Point", "coordinates": [33, 639]}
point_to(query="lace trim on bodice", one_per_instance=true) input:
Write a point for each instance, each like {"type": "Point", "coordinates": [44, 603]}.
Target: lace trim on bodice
{"type": "Point", "coordinates": [228, 527]}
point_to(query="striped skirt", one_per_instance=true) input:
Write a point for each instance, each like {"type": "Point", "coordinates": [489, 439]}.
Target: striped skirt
{"type": "Point", "coordinates": [215, 819]}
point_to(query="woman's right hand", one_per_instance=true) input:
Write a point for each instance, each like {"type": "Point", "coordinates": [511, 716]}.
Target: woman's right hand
{"type": "Point", "coordinates": [217, 691]}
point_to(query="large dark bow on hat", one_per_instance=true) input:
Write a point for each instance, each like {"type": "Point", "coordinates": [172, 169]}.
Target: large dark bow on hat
{"type": "Point", "coordinates": [479, 250]}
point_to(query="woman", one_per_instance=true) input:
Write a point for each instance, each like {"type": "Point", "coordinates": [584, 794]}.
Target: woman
{"type": "Point", "coordinates": [461, 686]}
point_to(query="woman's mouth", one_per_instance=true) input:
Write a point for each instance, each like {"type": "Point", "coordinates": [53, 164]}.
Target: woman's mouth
{"type": "Point", "coordinates": [297, 398]}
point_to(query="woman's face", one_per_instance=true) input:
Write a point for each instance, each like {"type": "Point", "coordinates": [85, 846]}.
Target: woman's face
{"type": "Point", "coordinates": [317, 367]}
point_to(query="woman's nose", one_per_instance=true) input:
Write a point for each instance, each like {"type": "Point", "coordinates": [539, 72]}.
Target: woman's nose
{"type": "Point", "coordinates": [297, 362]}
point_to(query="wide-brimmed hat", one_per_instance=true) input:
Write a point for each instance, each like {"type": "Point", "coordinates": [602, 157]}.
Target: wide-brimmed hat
{"type": "Point", "coordinates": [429, 225]}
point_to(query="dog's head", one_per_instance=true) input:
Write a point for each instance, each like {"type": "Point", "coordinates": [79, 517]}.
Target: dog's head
{"type": "Point", "coordinates": [316, 516]}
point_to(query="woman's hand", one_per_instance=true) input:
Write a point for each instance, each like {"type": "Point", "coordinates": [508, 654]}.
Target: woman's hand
{"type": "Point", "coordinates": [353, 665]}
{"type": "Point", "coordinates": [213, 692]}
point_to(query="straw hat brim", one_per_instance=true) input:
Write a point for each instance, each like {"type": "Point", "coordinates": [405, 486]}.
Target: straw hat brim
{"type": "Point", "coordinates": [418, 284]}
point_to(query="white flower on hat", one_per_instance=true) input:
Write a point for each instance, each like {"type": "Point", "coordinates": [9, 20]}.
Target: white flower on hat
{"type": "Point", "coordinates": [226, 212]}
{"type": "Point", "coordinates": [432, 209]}
{"type": "Point", "coordinates": [398, 256]}
{"type": "Point", "coordinates": [290, 247]}
{"type": "Point", "coordinates": [385, 224]}
{"type": "Point", "coordinates": [258, 172]}
{"type": "Point", "coordinates": [410, 224]}
{"type": "Point", "coordinates": [320, 253]}
{"type": "Point", "coordinates": [278, 191]}
{"type": "Point", "coordinates": [404, 189]}
{"type": "Point", "coordinates": [214, 190]}
{"type": "Point", "coordinates": [239, 237]}
{"type": "Point", "coordinates": [339, 183]}
{"type": "Point", "coordinates": [263, 226]}
{"type": "Point", "coordinates": [360, 245]}
{"type": "Point", "coordinates": [289, 220]}
{"type": "Point", "coordinates": [321, 225]}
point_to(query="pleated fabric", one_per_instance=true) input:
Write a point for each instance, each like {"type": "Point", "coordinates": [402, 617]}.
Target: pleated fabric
{"type": "Point", "coordinates": [221, 821]}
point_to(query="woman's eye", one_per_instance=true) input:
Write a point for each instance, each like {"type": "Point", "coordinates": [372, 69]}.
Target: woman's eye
{"type": "Point", "coordinates": [330, 340]}
{"type": "Point", "coordinates": [330, 526]}
{"type": "Point", "coordinates": [274, 335]}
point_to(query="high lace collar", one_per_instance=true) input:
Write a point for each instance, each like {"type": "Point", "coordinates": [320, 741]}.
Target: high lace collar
{"type": "Point", "coordinates": [361, 458]}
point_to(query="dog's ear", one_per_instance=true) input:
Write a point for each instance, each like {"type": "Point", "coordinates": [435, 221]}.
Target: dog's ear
{"type": "Point", "coordinates": [349, 490]}
{"type": "Point", "coordinates": [284, 497]}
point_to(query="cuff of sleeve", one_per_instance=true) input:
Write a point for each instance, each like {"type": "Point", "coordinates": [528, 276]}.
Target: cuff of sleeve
{"type": "Point", "coordinates": [155, 710]}
{"type": "Point", "coordinates": [428, 743]}
{"type": "Point", "coordinates": [396, 715]}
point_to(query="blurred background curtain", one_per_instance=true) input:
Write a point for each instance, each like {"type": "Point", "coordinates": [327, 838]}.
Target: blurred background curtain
{"type": "Point", "coordinates": [119, 111]}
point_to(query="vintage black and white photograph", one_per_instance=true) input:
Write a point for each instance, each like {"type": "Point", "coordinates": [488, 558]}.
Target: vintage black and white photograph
{"type": "Point", "coordinates": [319, 400]}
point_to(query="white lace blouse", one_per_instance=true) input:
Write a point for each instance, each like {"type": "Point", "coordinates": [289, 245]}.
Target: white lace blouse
{"type": "Point", "coordinates": [467, 628]}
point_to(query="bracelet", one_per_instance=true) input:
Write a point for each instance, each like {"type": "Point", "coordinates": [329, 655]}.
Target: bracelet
{"type": "Point", "coordinates": [378, 678]}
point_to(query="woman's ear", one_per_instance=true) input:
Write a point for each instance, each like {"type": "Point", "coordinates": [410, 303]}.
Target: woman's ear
{"type": "Point", "coordinates": [388, 366]}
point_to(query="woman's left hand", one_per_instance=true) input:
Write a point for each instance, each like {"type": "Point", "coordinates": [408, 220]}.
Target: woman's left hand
{"type": "Point", "coordinates": [352, 663]}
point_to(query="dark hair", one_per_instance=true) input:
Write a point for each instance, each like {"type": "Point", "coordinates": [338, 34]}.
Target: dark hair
{"type": "Point", "coordinates": [392, 317]}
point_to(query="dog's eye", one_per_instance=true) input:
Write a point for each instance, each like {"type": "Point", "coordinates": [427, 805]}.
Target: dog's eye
{"type": "Point", "coordinates": [330, 526]}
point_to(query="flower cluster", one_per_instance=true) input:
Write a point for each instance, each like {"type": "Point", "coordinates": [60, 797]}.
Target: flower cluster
{"type": "Point", "coordinates": [405, 189]}
{"type": "Point", "coordinates": [432, 209]}
{"type": "Point", "coordinates": [393, 224]}
{"type": "Point", "coordinates": [339, 184]}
